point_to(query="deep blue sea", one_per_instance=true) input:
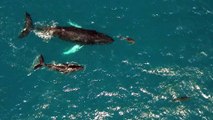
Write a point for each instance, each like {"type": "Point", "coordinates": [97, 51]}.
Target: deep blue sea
{"type": "Point", "coordinates": [172, 57]}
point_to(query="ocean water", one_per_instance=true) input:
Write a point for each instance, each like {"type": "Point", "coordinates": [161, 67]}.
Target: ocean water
{"type": "Point", "coordinates": [172, 57]}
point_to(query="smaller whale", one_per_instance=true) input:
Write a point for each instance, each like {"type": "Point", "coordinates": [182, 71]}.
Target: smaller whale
{"type": "Point", "coordinates": [71, 33]}
{"type": "Point", "coordinates": [63, 68]}
{"type": "Point", "coordinates": [128, 39]}
{"type": "Point", "coordinates": [181, 99]}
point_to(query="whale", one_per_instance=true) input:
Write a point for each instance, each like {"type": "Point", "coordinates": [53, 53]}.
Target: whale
{"type": "Point", "coordinates": [60, 67]}
{"type": "Point", "coordinates": [68, 33]}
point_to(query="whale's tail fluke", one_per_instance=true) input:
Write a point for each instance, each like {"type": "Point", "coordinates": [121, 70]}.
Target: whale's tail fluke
{"type": "Point", "coordinates": [41, 63]}
{"type": "Point", "coordinates": [28, 26]}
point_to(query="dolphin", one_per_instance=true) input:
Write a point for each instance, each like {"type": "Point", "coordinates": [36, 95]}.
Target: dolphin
{"type": "Point", "coordinates": [61, 67]}
{"type": "Point", "coordinates": [71, 33]}
{"type": "Point", "coordinates": [181, 99]}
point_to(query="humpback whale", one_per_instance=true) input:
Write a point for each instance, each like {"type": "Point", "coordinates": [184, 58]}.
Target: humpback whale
{"type": "Point", "coordinates": [71, 33]}
{"type": "Point", "coordinates": [63, 68]}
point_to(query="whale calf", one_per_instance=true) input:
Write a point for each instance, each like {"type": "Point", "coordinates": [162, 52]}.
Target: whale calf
{"type": "Point", "coordinates": [128, 39]}
{"type": "Point", "coordinates": [71, 33]}
{"type": "Point", "coordinates": [63, 68]}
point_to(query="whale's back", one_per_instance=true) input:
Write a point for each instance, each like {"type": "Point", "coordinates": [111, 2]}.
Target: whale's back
{"type": "Point", "coordinates": [83, 36]}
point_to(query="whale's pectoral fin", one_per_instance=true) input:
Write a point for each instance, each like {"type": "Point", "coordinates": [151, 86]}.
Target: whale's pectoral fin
{"type": "Point", "coordinates": [24, 33]}
{"type": "Point", "coordinates": [74, 24]}
{"type": "Point", "coordinates": [73, 49]}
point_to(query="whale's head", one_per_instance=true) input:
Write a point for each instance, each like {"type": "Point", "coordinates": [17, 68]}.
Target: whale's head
{"type": "Point", "coordinates": [103, 39]}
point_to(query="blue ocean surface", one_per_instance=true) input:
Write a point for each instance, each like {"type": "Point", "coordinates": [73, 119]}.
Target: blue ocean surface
{"type": "Point", "coordinates": [172, 57]}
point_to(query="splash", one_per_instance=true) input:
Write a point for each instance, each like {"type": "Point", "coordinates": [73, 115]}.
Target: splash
{"type": "Point", "coordinates": [45, 35]}
{"type": "Point", "coordinates": [73, 49]}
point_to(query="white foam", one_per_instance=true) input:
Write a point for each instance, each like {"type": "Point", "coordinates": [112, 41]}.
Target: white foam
{"type": "Point", "coordinates": [109, 94]}
{"type": "Point", "coordinates": [70, 89]}
{"type": "Point", "coordinates": [161, 71]}
{"type": "Point", "coordinates": [46, 34]}
{"type": "Point", "coordinates": [201, 92]}
{"type": "Point", "coordinates": [101, 115]}
{"type": "Point", "coordinates": [146, 92]}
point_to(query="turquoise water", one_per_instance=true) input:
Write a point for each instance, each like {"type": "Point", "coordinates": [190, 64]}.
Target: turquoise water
{"type": "Point", "coordinates": [172, 57]}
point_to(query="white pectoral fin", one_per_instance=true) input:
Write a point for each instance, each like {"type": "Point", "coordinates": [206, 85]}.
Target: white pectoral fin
{"type": "Point", "coordinates": [74, 24]}
{"type": "Point", "coordinates": [73, 49]}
